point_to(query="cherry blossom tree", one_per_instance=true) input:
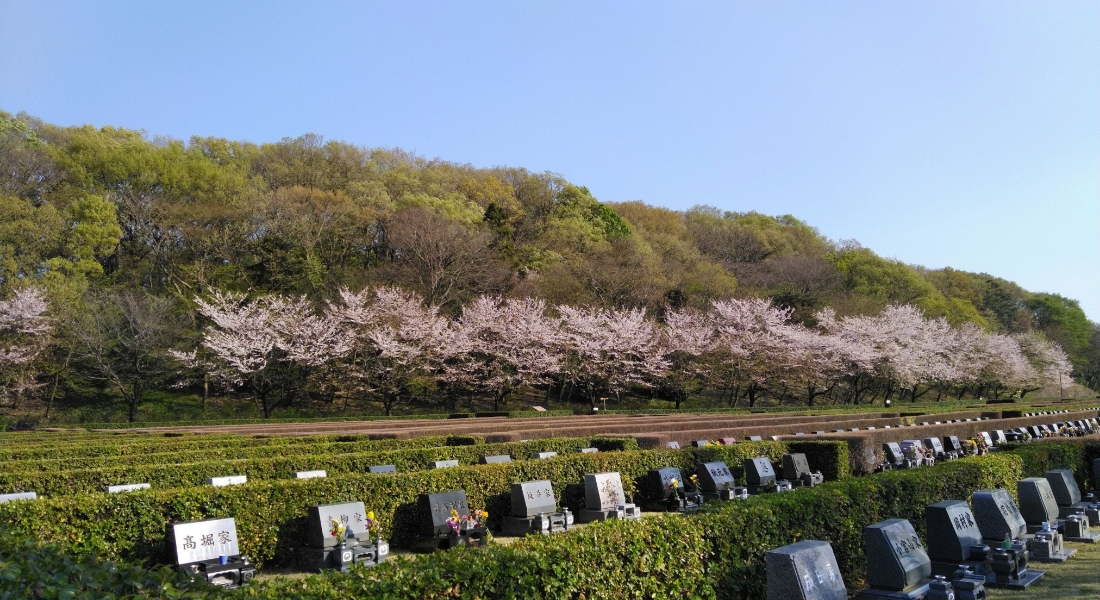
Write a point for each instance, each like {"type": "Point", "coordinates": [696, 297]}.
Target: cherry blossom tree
{"type": "Point", "coordinates": [756, 342]}
{"type": "Point", "coordinates": [395, 342]}
{"type": "Point", "coordinates": [687, 342]}
{"type": "Point", "coordinates": [259, 340]}
{"type": "Point", "coordinates": [1049, 363]}
{"type": "Point", "coordinates": [607, 350]}
{"type": "Point", "coordinates": [503, 345]}
{"type": "Point", "coordinates": [25, 332]}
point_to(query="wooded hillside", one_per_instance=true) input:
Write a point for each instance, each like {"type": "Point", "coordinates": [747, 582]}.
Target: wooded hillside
{"type": "Point", "coordinates": [89, 214]}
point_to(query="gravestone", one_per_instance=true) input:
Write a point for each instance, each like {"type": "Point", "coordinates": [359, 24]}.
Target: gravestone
{"type": "Point", "coordinates": [224, 481]}
{"type": "Point", "coordinates": [755, 438]}
{"type": "Point", "coordinates": [997, 516]}
{"type": "Point", "coordinates": [495, 459]}
{"type": "Point", "coordinates": [998, 437]}
{"type": "Point", "coordinates": [129, 487]}
{"type": "Point", "coordinates": [805, 570]}
{"type": "Point", "coordinates": [986, 438]}
{"type": "Point", "coordinates": [894, 456]}
{"type": "Point", "coordinates": [954, 543]}
{"type": "Point", "coordinates": [760, 477]}
{"type": "Point", "coordinates": [1037, 503]}
{"type": "Point", "coordinates": [324, 549]}
{"type": "Point", "coordinates": [319, 474]}
{"type": "Point", "coordinates": [589, 450]}
{"type": "Point", "coordinates": [208, 549]}
{"type": "Point", "coordinates": [535, 510]}
{"type": "Point", "coordinates": [716, 482]}
{"type": "Point", "coordinates": [796, 469]}
{"type": "Point", "coordinates": [1066, 492]}
{"type": "Point", "coordinates": [951, 443]}
{"type": "Point", "coordinates": [936, 446]}
{"type": "Point", "coordinates": [542, 455]}
{"type": "Point", "coordinates": [699, 443]}
{"type": "Point", "coordinates": [435, 527]}
{"type": "Point", "coordinates": [382, 469]}
{"type": "Point", "coordinates": [18, 496]}
{"type": "Point", "coordinates": [673, 445]}
{"type": "Point", "coordinates": [897, 566]}
{"type": "Point", "coordinates": [604, 499]}
{"type": "Point", "coordinates": [443, 464]}
{"type": "Point", "coordinates": [664, 496]}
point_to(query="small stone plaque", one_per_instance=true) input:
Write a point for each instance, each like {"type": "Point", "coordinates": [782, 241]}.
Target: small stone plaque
{"type": "Point", "coordinates": [542, 455]}
{"type": "Point", "coordinates": [310, 474]}
{"type": "Point", "coordinates": [896, 557]}
{"type": "Point", "coordinates": [894, 455]}
{"type": "Point", "coordinates": [699, 443]}
{"type": "Point", "coordinates": [603, 491]}
{"type": "Point", "coordinates": [755, 438]}
{"type": "Point", "coordinates": [805, 570]}
{"type": "Point", "coordinates": [129, 487]}
{"type": "Point", "coordinates": [18, 496]}
{"type": "Point", "coordinates": [443, 464]}
{"type": "Point", "coordinates": [589, 450]}
{"type": "Point", "coordinates": [433, 510]}
{"type": "Point", "coordinates": [759, 471]}
{"type": "Point", "coordinates": [673, 445]}
{"type": "Point", "coordinates": [1064, 486]}
{"type": "Point", "coordinates": [714, 476]}
{"type": "Point", "coordinates": [496, 459]}
{"type": "Point", "coordinates": [727, 441]}
{"type": "Point", "coordinates": [224, 481]}
{"type": "Point", "coordinates": [533, 497]}
{"type": "Point", "coordinates": [952, 530]}
{"type": "Point", "coordinates": [382, 469]}
{"type": "Point", "coordinates": [997, 515]}
{"type": "Point", "coordinates": [352, 515]}
{"type": "Point", "coordinates": [1037, 503]}
{"type": "Point", "coordinates": [203, 540]}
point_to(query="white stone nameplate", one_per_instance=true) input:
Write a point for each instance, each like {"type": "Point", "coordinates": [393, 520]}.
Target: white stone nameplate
{"type": "Point", "coordinates": [310, 474]}
{"type": "Point", "coordinates": [129, 487]}
{"type": "Point", "coordinates": [230, 480]}
{"type": "Point", "coordinates": [204, 540]}
{"type": "Point", "coordinates": [18, 496]}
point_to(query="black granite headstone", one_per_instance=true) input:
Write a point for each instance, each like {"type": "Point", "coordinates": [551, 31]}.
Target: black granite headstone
{"type": "Point", "coordinates": [382, 469]}
{"type": "Point", "coordinates": [997, 515]}
{"type": "Point", "coordinates": [897, 560]}
{"type": "Point", "coordinates": [805, 570]}
{"type": "Point", "coordinates": [759, 471]}
{"type": "Point", "coordinates": [433, 510]}
{"type": "Point", "coordinates": [533, 497]}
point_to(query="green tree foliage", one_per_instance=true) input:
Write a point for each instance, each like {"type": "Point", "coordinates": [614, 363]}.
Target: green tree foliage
{"type": "Point", "coordinates": [92, 210]}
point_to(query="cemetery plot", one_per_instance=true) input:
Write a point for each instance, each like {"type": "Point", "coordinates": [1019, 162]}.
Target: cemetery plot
{"type": "Point", "coordinates": [954, 540]}
{"type": "Point", "coordinates": [339, 535]}
{"type": "Point", "coordinates": [208, 549]}
{"type": "Point", "coordinates": [897, 565]}
{"type": "Point", "coordinates": [535, 510]}
{"type": "Point", "coordinates": [668, 491]}
{"type": "Point", "coordinates": [446, 521]}
{"type": "Point", "coordinates": [605, 499]}
{"type": "Point", "coordinates": [717, 483]}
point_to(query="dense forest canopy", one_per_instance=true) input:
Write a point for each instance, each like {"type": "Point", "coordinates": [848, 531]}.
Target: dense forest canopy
{"type": "Point", "coordinates": [93, 216]}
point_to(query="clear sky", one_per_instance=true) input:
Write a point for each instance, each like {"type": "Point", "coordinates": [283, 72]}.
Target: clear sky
{"type": "Point", "coordinates": [963, 134]}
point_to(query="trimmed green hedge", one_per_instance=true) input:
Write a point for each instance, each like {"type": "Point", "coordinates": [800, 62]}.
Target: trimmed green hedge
{"type": "Point", "coordinates": [271, 514]}
{"type": "Point", "coordinates": [1065, 453]}
{"type": "Point", "coordinates": [168, 475]}
{"type": "Point", "coordinates": [718, 553]}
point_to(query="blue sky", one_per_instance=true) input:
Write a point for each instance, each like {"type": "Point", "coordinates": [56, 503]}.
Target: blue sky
{"type": "Point", "coordinates": [963, 134]}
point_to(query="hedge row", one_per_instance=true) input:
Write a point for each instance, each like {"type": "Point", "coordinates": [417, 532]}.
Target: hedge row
{"type": "Point", "coordinates": [719, 553]}
{"type": "Point", "coordinates": [99, 445]}
{"type": "Point", "coordinates": [1065, 453]}
{"type": "Point", "coordinates": [716, 554]}
{"type": "Point", "coordinates": [170, 475]}
{"type": "Point", "coordinates": [271, 514]}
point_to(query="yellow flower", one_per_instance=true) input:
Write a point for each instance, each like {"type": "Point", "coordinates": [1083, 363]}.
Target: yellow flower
{"type": "Point", "coordinates": [370, 515]}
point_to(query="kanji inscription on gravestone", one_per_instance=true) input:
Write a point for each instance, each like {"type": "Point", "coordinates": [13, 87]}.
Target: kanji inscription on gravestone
{"type": "Point", "coordinates": [603, 491]}
{"type": "Point", "coordinates": [533, 497]}
{"type": "Point", "coordinates": [204, 540]}
{"type": "Point", "coordinates": [805, 570]}
{"type": "Point", "coordinates": [351, 515]}
{"type": "Point", "coordinates": [435, 509]}
{"type": "Point", "coordinates": [900, 561]}
{"type": "Point", "coordinates": [997, 515]}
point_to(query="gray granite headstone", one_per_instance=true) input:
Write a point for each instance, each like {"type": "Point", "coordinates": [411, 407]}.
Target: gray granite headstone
{"type": "Point", "coordinates": [934, 443]}
{"type": "Point", "coordinates": [541, 455]}
{"type": "Point", "coordinates": [755, 438]}
{"type": "Point", "coordinates": [661, 481]}
{"type": "Point", "coordinates": [893, 452]}
{"type": "Point", "coordinates": [714, 476]}
{"type": "Point", "coordinates": [224, 481]}
{"type": "Point", "coordinates": [673, 445]}
{"type": "Point", "coordinates": [699, 443]}
{"type": "Point", "coordinates": [603, 491]}
{"type": "Point", "coordinates": [952, 530]}
{"type": "Point", "coordinates": [1037, 503]}
{"type": "Point", "coordinates": [203, 540]}
{"type": "Point", "coordinates": [805, 570]}
{"type": "Point", "coordinates": [759, 471]}
{"type": "Point", "coordinates": [794, 465]}
{"type": "Point", "coordinates": [433, 510]}
{"type": "Point", "coordinates": [997, 515]}
{"type": "Point", "coordinates": [352, 515]}
{"type": "Point", "coordinates": [18, 496]}
{"type": "Point", "coordinates": [1064, 486]}
{"type": "Point", "coordinates": [495, 459]}
{"type": "Point", "coordinates": [382, 469]}
{"type": "Point", "coordinates": [533, 497]}
{"type": "Point", "coordinates": [896, 557]}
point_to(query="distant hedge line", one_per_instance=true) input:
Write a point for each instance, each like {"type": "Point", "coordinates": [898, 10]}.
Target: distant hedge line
{"type": "Point", "coordinates": [174, 474]}
{"type": "Point", "coordinates": [718, 553]}
{"type": "Point", "coordinates": [271, 514]}
{"type": "Point", "coordinates": [1065, 453]}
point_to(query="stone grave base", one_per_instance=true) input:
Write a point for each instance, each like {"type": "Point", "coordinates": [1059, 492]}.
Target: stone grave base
{"type": "Point", "coordinates": [730, 494]}
{"type": "Point", "coordinates": [630, 512]}
{"type": "Point", "coordinates": [1026, 579]}
{"type": "Point", "coordinates": [1061, 557]}
{"type": "Point", "coordinates": [985, 569]}
{"type": "Point", "coordinates": [1092, 538]}
{"type": "Point", "coordinates": [231, 575]}
{"type": "Point", "coordinates": [671, 505]}
{"type": "Point", "coordinates": [1065, 511]}
{"type": "Point", "coordinates": [916, 593]}
{"type": "Point", "coordinates": [320, 559]}
{"type": "Point", "coordinates": [521, 526]}
{"type": "Point", "coordinates": [476, 536]}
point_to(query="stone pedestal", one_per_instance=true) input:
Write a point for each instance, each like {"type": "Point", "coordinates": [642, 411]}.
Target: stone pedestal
{"type": "Point", "coordinates": [1046, 546]}
{"type": "Point", "coordinates": [624, 511]}
{"type": "Point", "coordinates": [543, 524]}
{"type": "Point", "coordinates": [1075, 528]}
